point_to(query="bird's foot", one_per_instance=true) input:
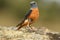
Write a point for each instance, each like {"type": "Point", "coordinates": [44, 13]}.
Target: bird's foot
{"type": "Point", "coordinates": [32, 29]}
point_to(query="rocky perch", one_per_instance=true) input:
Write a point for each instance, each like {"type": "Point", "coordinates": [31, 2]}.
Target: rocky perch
{"type": "Point", "coordinates": [8, 33]}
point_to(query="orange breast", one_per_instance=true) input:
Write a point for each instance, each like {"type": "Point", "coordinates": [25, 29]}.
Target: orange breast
{"type": "Point", "coordinates": [34, 14]}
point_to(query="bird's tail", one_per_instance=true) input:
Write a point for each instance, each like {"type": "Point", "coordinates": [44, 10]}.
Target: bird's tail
{"type": "Point", "coordinates": [19, 27]}
{"type": "Point", "coordinates": [23, 23]}
{"type": "Point", "coordinates": [20, 23]}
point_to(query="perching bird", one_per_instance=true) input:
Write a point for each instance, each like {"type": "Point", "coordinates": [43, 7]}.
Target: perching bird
{"type": "Point", "coordinates": [30, 17]}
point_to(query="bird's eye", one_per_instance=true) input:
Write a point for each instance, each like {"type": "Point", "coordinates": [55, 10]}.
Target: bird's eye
{"type": "Point", "coordinates": [33, 3]}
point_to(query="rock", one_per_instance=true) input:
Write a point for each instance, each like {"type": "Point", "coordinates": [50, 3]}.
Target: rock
{"type": "Point", "coordinates": [8, 33]}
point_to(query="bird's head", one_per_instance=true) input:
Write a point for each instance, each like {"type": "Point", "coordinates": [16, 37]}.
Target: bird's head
{"type": "Point", "coordinates": [33, 4]}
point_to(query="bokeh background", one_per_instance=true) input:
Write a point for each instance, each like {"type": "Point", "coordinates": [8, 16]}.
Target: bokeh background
{"type": "Point", "coordinates": [13, 11]}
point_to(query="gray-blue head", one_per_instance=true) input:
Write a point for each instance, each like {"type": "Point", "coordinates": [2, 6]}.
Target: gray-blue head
{"type": "Point", "coordinates": [33, 4]}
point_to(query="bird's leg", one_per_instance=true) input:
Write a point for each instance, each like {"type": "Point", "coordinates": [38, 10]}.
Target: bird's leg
{"type": "Point", "coordinates": [28, 26]}
{"type": "Point", "coordinates": [31, 29]}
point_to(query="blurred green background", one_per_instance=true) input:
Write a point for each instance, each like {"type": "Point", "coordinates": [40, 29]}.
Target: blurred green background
{"type": "Point", "coordinates": [13, 11]}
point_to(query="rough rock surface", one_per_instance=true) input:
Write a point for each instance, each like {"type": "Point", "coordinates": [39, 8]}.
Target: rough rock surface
{"type": "Point", "coordinates": [9, 33]}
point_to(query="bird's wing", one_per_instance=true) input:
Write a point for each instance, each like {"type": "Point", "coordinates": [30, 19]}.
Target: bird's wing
{"type": "Point", "coordinates": [28, 13]}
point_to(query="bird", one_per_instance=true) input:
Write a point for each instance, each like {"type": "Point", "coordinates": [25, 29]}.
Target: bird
{"type": "Point", "coordinates": [30, 17]}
